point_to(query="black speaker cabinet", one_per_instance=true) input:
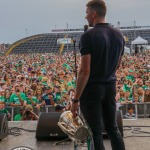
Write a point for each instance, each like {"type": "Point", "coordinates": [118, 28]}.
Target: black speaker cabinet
{"type": "Point", "coordinates": [119, 123]}
{"type": "Point", "coordinates": [3, 126]}
{"type": "Point", "coordinates": [47, 128]}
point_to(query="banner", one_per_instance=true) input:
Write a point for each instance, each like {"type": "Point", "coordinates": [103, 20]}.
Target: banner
{"type": "Point", "coordinates": [64, 41]}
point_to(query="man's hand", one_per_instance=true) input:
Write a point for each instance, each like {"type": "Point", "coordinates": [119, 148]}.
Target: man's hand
{"type": "Point", "coordinates": [50, 96]}
{"type": "Point", "coordinates": [74, 109]}
{"type": "Point", "coordinates": [32, 112]}
{"type": "Point", "coordinates": [9, 115]}
{"type": "Point", "coordinates": [37, 106]}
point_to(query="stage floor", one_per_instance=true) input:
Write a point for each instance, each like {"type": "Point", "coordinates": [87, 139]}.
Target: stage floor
{"type": "Point", "coordinates": [28, 139]}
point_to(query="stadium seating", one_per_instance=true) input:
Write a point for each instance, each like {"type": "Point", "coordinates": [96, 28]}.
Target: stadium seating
{"type": "Point", "coordinates": [48, 42]}
{"type": "Point", "coordinates": [133, 34]}
{"type": "Point", "coordinates": [44, 43]}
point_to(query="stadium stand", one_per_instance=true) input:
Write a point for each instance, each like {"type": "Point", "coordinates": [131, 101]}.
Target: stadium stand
{"type": "Point", "coordinates": [132, 33]}
{"type": "Point", "coordinates": [48, 42]}
{"type": "Point", "coordinates": [43, 43]}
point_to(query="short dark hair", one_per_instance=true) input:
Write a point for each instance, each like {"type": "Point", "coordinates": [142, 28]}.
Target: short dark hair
{"type": "Point", "coordinates": [130, 106]}
{"type": "Point", "coordinates": [99, 6]}
{"type": "Point", "coordinates": [51, 93]}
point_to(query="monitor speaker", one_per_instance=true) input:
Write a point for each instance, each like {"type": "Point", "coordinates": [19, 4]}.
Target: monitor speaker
{"type": "Point", "coordinates": [3, 126]}
{"type": "Point", "coordinates": [47, 128]}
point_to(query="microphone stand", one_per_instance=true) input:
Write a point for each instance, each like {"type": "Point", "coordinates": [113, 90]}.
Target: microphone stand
{"type": "Point", "coordinates": [75, 70]}
{"type": "Point", "coordinates": [75, 58]}
{"type": "Point", "coordinates": [90, 139]}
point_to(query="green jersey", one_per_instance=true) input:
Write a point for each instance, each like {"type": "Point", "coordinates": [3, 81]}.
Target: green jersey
{"type": "Point", "coordinates": [126, 87]}
{"type": "Point", "coordinates": [15, 99]}
{"type": "Point", "coordinates": [7, 101]}
{"type": "Point", "coordinates": [4, 111]}
{"type": "Point", "coordinates": [17, 117]}
{"type": "Point", "coordinates": [58, 97]}
{"type": "Point", "coordinates": [34, 99]}
{"type": "Point", "coordinates": [2, 99]}
{"type": "Point", "coordinates": [130, 77]}
{"type": "Point", "coordinates": [145, 87]}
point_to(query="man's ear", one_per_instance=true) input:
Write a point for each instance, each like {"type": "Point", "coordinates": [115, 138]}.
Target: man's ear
{"type": "Point", "coordinates": [94, 14]}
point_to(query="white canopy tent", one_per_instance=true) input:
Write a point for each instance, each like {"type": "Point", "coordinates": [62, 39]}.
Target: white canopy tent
{"type": "Point", "coordinates": [139, 40]}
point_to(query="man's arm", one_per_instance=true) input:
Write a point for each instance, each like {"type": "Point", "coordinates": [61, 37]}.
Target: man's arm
{"type": "Point", "coordinates": [83, 75]}
{"type": "Point", "coordinates": [82, 80]}
{"type": "Point", "coordinates": [21, 100]}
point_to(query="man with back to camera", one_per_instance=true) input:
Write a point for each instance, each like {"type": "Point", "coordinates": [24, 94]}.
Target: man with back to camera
{"type": "Point", "coordinates": [101, 50]}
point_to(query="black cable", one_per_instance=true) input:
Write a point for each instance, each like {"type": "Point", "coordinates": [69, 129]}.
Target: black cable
{"type": "Point", "coordinates": [136, 130]}
{"type": "Point", "coordinates": [127, 128]}
{"type": "Point", "coordinates": [16, 131]}
{"type": "Point", "coordinates": [137, 126]}
{"type": "Point", "coordinates": [135, 136]}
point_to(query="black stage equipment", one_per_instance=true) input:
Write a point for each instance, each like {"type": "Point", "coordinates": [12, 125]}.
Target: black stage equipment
{"type": "Point", "coordinates": [47, 128]}
{"type": "Point", "coordinates": [3, 126]}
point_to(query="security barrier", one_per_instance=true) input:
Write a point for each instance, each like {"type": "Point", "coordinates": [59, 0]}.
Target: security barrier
{"type": "Point", "coordinates": [141, 110]}
{"type": "Point", "coordinates": [16, 110]}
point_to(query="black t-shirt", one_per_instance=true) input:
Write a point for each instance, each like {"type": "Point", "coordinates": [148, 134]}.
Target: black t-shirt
{"type": "Point", "coordinates": [106, 45]}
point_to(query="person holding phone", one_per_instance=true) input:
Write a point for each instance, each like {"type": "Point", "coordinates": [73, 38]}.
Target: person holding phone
{"type": "Point", "coordinates": [48, 96]}
{"type": "Point", "coordinates": [28, 114]}
{"type": "Point", "coordinates": [17, 98]}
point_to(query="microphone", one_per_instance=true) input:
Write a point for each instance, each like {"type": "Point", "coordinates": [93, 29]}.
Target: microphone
{"type": "Point", "coordinates": [86, 27]}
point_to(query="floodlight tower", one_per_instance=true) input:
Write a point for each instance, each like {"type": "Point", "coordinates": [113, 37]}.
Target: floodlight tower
{"type": "Point", "coordinates": [67, 36]}
{"type": "Point", "coordinates": [134, 29]}
{"type": "Point", "coordinates": [26, 32]}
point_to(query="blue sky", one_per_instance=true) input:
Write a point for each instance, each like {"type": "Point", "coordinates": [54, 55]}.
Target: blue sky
{"type": "Point", "coordinates": [41, 16]}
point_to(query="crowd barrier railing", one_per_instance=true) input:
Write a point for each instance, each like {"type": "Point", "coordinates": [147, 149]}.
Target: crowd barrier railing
{"type": "Point", "coordinates": [14, 110]}
{"type": "Point", "coordinates": [141, 110]}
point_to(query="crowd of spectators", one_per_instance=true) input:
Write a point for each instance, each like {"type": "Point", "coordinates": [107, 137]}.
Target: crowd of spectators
{"type": "Point", "coordinates": [133, 79]}
{"type": "Point", "coordinates": [36, 80]}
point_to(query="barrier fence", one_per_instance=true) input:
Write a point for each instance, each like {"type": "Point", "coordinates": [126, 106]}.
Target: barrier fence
{"type": "Point", "coordinates": [141, 110]}
{"type": "Point", "coordinates": [16, 110]}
